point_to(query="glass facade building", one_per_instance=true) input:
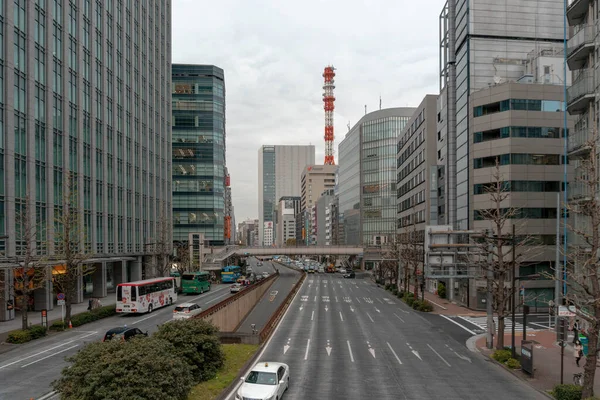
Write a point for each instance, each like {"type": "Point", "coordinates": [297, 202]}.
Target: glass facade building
{"type": "Point", "coordinates": [198, 152]}
{"type": "Point", "coordinates": [84, 93]}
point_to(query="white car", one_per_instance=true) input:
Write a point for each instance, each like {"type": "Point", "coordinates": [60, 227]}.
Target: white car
{"type": "Point", "coordinates": [236, 287]}
{"type": "Point", "coordinates": [265, 275]}
{"type": "Point", "coordinates": [186, 310]}
{"type": "Point", "coordinates": [266, 381]}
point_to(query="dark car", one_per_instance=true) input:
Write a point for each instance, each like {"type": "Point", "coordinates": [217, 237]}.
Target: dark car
{"type": "Point", "coordinates": [350, 275]}
{"type": "Point", "coordinates": [123, 333]}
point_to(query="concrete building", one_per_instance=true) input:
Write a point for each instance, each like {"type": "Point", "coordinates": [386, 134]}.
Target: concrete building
{"type": "Point", "coordinates": [367, 176]}
{"type": "Point", "coordinates": [287, 209]}
{"type": "Point", "coordinates": [279, 173]}
{"type": "Point", "coordinates": [324, 226]}
{"type": "Point", "coordinates": [315, 180]}
{"type": "Point", "coordinates": [199, 175]}
{"type": "Point", "coordinates": [269, 233]}
{"type": "Point", "coordinates": [416, 160]}
{"type": "Point", "coordinates": [248, 233]}
{"type": "Point", "coordinates": [110, 129]}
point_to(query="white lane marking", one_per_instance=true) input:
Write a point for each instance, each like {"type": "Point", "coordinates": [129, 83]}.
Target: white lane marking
{"type": "Point", "coordinates": [439, 305]}
{"type": "Point", "coordinates": [143, 319]}
{"type": "Point", "coordinates": [304, 298]}
{"type": "Point", "coordinates": [376, 309]}
{"type": "Point", "coordinates": [460, 356]}
{"type": "Point", "coordinates": [217, 298]}
{"type": "Point", "coordinates": [208, 294]}
{"type": "Point", "coordinates": [394, 353]}
{"type": "Point", "coordinates": [534, 323]}
{"type": "Point", "coordinates": [312, 316]}
{"type": "Point", "coordinates": [438, 354]}
{"type": "Point", "coordinates": [47, 350]}
{"type": "Point", "coordinates": [416, 353]}
{"type": "Point", "coordinates": [336, 300]}
{"type": "Point", "coordinates": [48, 356]}
{"type": "Point", "coordinates": [380, 300]}
{"type": "Point", "coordinates": [315, 298]}
{"type": "Point", "coordinates": [341, 317]}
{"type": "Point", "coordinates": [307, 347]}
{"type": "Point", "coordinates": [462, 326]}
{"type": "Point", "coordinates": [350, 350]}
{"type": "Point", "coordinates": [357, 300]}
{"type": "Point", "coordinates": [370, 317]}
{"type": "Point", "coordinates": [399, 317]}
{"type": "Point", "coordinates": [351, 309]}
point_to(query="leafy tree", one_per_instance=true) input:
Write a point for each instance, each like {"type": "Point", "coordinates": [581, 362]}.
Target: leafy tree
{"type": "Point", "coordinates": [196, 341]}
{"type": "Point", "coordinates": [290, 242]}
{"type": "Point", "coordinates": [142, 368]}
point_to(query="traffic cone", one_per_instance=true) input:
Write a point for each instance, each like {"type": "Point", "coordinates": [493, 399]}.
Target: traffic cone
{"type": "Point", "coordinates": [70, 325]}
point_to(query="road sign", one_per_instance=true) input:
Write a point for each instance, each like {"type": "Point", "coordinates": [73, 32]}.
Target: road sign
{"type": "Point", "coordinates": [61, 302]}
{"type": "Point", "coordinates": [564, 311]}
{"type": "Point", "coordinates": [60, 296]}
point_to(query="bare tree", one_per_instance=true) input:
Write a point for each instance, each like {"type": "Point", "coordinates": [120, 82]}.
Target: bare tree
{"type": "Point", "coordinates": [388, 268]}
{"type": "Point", "coordinates": [32, 272]}
{"type": "Point", "coordinates": [183, 258]}
{"type": "Point", "coordinates": [495, 246]}
{"type": "Point", "coordinates": [410, 254]}
{"type": "Point", "coordinates": [162, 248]}
{"type": "Point", "coordinates": [70, 250]}
{"type": "Point", "coordinates": [583, 269]}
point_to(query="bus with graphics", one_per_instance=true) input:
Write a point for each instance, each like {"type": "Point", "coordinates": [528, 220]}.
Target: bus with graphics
{"type": "Point", "coordinates": [146, 295]}
{"type": "Point", "coordinates": [195, 282]}
{"type": "Point", "coordinates": [230, 274]}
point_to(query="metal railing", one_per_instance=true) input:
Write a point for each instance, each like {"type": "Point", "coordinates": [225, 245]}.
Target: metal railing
{"type": "Point", "coordinates": [581, 87]}
{"type": "Point", "coordinates": [579, 191]}
{"type": "Point", "coordinates": [582, 37]}
{"type": "Point", "coordinates": [578, 139]}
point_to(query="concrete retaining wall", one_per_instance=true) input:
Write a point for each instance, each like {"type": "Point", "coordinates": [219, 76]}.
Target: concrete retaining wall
{"type": "Point", "coordinates": [228, 314]}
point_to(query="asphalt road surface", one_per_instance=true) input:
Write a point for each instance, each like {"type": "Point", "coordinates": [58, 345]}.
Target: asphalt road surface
{"type": "Point", "coordinates": [28, 370]}
{"type": "Point", "coordinates": [272, 299]}
{"type": "Point", "coordinates": [348, 339]}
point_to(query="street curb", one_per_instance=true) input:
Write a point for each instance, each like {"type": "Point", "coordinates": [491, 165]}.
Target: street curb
{"type": "Point", "coordinates": [471, 345]}
{"type": "Point", "coordinates": [49, 396]}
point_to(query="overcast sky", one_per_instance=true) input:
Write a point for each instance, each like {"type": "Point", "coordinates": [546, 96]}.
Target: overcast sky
{"type": "Point", "coordinates": [273, 53]}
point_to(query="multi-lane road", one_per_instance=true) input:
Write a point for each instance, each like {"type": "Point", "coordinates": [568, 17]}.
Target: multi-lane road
{"type": "Point", "coordinates": [348, 339]}
{"type": "Point", "coordinates": [28, 370]}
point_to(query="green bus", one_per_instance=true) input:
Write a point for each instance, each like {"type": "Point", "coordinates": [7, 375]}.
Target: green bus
{"type": "Point", "coordinates": [195, 282]}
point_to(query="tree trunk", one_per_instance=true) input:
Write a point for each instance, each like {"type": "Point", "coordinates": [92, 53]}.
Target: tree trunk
{"type": "Point", "coordinates": [416, 284]}
{"type": "Point", "coordinates": [500, 337]}
{"type": "Point", "coordinates": [501, 305]}
{"type": "Point", "coordinates": [405, 278]}
{"type": "Point", "coordinates": [25, 301]}
{"type": "Point", "coordinates": [590, 362]}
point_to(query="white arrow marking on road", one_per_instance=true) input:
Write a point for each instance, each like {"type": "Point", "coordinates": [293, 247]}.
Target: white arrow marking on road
{"type": "Point", "coordinates": [304, 298]}
{"type": "Point", "coordinates": [350, 350]}
{"type": "Point", "coordinates": [307, 347]}
{"type": "Point", "coordinates": [342, 318]}
{"type": "Point", "coordinates": [371, 350]}
{"type": "Point", "coordinates": [370, 317]}
{"type": "Point", "coordinates": [310, 284]}
{"type": "Point", "coordinates": [416, 353]}
{"type": "Point", "coordinates": [376, 309]}
{"type": "Point", "coordinates": [438, 354]}
{"type": "Point", "coordinates": [286, 347]}
{"type": "Point", "coordinates": [336, 300]}
{"type": "Point", "coordinates": [394, 353]}
{"type": "Point", "coordinates": [326, 308]}
{"type": "Point", "coordinates": [460, 356]}
{"type": "Point", "coordinates": [351, 309]}
{"type": "Point", "coordinates": [301, 308]}
{"type": "Point", "coordinates": [325, 281]}
{"type": "Point", "coordinates": [328, 348]}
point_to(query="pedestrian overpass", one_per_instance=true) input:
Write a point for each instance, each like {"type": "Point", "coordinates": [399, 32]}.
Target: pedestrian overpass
{"type": "Point", "coordinates": [286, 251]}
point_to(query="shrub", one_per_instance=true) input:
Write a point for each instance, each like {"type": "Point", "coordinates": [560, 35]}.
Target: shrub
{"type": "Point", "coordinates": [567, 392]}
{"type": "Point", "coordinates": [141, 368]}
{"type": "Point", "coordinates": [94, 315]}
{"type": "Point", "coordinates": [400, 294]}
{"type": "Point", "coordinates": [502, 356]}
{"type": "Point", "coordinates": [395, 291]}
{"type": "Point", "coordinates": [441, 290]}
{"type": "Point", "coordinates": [388, 286]}
{"type": "Point", "coordinates": [58, 326]}
{"type": "Point", "coordinates": [513, 363]}
{"type": "Point", "coordinates": [37, 331]}
{"type": "Point", "coordinates": [196, 342]}
{"type": "Point", "coordinates": [18, 337]}
{"type": "Point", "coordinates": [423, 306]}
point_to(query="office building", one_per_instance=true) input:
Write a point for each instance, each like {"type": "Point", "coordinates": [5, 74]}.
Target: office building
{"type": "Point", "coordinates": [315, 180]}
{"type": "Point", "coordinates": [367, 176]}
{"type": "Point", "coordinates": [90, 101]}
{"type": "Point", "coordinates": [199, 173]}
{"type": "Point", "coordinates": [248, 233]}
{"type": "Point", "coordinates": [324, 225]}
{"type": "Point", "coordinates": [279, 172]}
{"type": "Point", "coordinates": [287, 209]}
{"type": "Point", "coordinates": [269, 233]}
{"type": "Point", "coordinates": [416, 160]}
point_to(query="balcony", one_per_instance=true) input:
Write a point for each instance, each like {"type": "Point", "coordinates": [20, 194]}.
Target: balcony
{"type": "Point", "coordinates": [580, 94]}
{"type": "Point", "coordinates": [579, 143]}
{"type": "Point", "coordinates": [579, 192]}
{"type": "Point", "coordinates": [577, 10]}
{"type": "Point", "coordinates": [580, 46]}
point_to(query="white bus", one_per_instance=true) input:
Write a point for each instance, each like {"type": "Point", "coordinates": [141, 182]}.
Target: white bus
{"type": "Point", "coordinates": [145, 296]}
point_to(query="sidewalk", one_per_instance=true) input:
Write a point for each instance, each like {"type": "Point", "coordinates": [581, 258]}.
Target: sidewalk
{"type": "Point", "coordinates": [445, 307]}
{"type": "Point", "coordinates": [546, 360]}
{"type": "Point", "coordinates": [35, 317]}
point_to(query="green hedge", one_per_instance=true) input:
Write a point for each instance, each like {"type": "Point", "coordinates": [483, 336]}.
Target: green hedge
{"type": "Point", "coordinates": [24, 336]}
{"type": "Point", "coordinates": [86, 317]}
{"type": "Point", "coordinates": [502, 356]}
{"type": "Point", "coordinates": [567, 392]}
{"type": "Point", "coordinates": [513, 363]}
{"type": "Point", "coordinates": [441, 290]}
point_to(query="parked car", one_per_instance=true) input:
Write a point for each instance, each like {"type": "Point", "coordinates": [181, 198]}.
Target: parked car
{"type": "Point", "coordinates": [266, 381]}
{"type": "Point", "coordinates": [123, 333]}
{"type": "Point", "coordinates": [186, 310]}
{"type": "Point", "coordinates": [350, 275]}
{"type": "Point", "coordinates": [236, 287]}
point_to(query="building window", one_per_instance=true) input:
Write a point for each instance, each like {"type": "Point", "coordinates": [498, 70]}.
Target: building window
{"type": "Point", "coordinates": [518, 159]}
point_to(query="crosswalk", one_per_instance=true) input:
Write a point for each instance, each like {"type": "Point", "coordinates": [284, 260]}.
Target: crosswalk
{"type": "Point", "coordinates": [481, 322]}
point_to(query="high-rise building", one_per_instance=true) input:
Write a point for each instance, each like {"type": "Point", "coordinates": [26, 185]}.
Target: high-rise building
{"type": "Point", "coordinates": [367, 176]}
{"type": "Point", "coordinates": [316, 179]}
{"type": "Point", "coordinates": [248, 232]}
{"type": "Point", "coordinates": [90, 102]}
{"type": "Point", "coordinates": [199, 173]}
{"type": "Point", "coordinates": [324, 227]}
{"type": "Point", "coordinates": [279, 173]}
{"type": "Point", "coordinates": [287, 209]}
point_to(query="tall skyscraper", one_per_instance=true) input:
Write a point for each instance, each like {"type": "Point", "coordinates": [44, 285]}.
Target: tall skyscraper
{"type": "Point", "coordinates": [316, 179]}
{"type": "Point", "coordinates": [279, 173]}
{"type": "Point", "coordinates": [199, 173]}
{"type": "Point", "coordinates": [89, 99]}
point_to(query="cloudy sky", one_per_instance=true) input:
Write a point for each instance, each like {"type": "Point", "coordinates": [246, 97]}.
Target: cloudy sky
{"type": "Point", "coordinates": [274, 51]}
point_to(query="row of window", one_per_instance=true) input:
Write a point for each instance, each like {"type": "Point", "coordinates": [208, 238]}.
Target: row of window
{"type": "Point", "coordinates": [519, 186]}
{"type": "Point", "coordinates": [411, 201]}
{"type": "Point", "coordinates": [521, 213]}
{"type": "Point", "coordinates": [519, 104]}
{"type": "Point", "coordinates": [415, 218]}
{"type": "Point", "coordinates": [520, 132]}
{"type": "Point", "coordinates": [412, 183]}
{"type": "Point", "coordinates": [518, 159]}
{"type": "Point", "coordinates": [410, 166]}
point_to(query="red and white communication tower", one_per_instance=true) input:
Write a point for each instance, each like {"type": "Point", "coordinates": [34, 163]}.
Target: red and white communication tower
{"type": "Point", "coordinates": [328, 99]}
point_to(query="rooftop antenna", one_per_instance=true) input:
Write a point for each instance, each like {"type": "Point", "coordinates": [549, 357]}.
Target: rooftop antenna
{"type": "Point", "coordinates": [348, 126]}
{"type": "Point", "coordinates": [365, 109]}
{"type": "Point", "coordinates": [380, 102]}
